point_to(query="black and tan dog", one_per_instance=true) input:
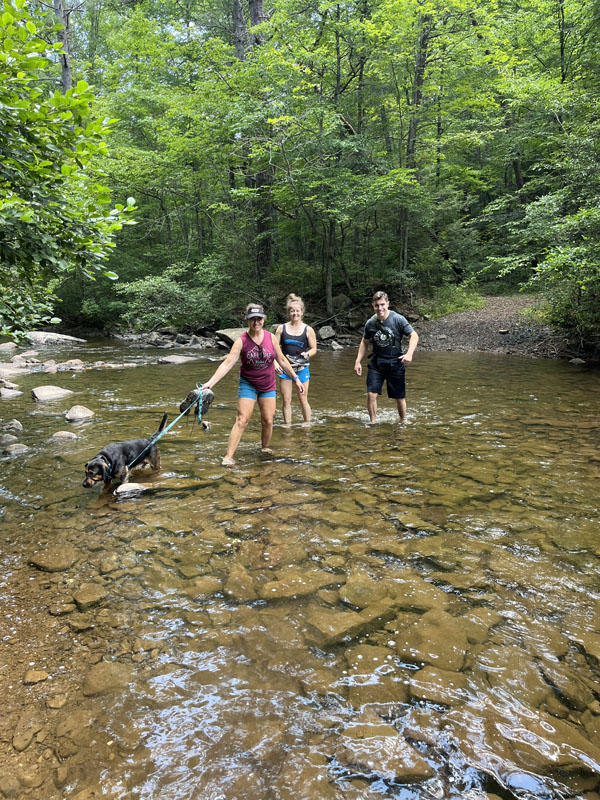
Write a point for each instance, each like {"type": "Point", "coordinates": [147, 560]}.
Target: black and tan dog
{"type": "Point", "coordinates": [114, 461]}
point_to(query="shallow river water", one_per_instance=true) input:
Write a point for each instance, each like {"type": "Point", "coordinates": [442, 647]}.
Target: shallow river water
{"type": "Point", "coordinates": [392, 611]}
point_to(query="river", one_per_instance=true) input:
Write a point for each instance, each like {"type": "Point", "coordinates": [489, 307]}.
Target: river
{"type": "Point", "coordinates": [392, 611]}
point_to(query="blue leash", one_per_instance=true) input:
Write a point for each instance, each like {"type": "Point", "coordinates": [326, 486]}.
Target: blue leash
{"type": "Point", "coordinates": [137, 459]}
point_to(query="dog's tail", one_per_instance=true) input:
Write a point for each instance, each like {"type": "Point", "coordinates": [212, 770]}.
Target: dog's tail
{"type": "Point", "coordinates": [163, 422]}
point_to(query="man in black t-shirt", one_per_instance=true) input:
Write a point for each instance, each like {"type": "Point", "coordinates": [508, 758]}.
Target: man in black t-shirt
{"type": "Point", "coordinates": [385, 330]}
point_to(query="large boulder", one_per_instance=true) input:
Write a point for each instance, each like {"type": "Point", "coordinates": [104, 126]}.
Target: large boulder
{"type": "Point", "coordinates": [326, 332]}
{"type": "Point", "coordinates": [43, 337]}
{"type": "Point", "coordinates": [44, 393]}
{"type": "Point", "coordinates": [229, 335]}
{"type": "Point", "coordinates": [7, 347]}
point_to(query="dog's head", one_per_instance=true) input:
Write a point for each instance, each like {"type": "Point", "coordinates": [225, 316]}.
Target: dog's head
{"type": "Point", "coordinates": [96, 470]}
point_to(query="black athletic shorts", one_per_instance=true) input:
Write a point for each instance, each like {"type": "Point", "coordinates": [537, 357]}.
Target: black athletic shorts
{"type": "Point", "coordinates": [391, 371]}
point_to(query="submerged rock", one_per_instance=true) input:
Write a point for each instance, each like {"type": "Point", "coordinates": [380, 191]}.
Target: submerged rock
{"type": "Point", "coordinates": [439, 686]}
{"type": "Point", "coordinates": [298, 583]}
{"type": "Point", "coordinates": [16, 449]}
{"type": "Point", "coordinates": [55, 559]}
{"type": "Point", "coordinates": [175, 359]}
{"type": "Point", "coordinates": [328, 626]}
{"type": "Point", "coordinates": [9, 394]}
{"type": "Point", "coordinates": [64, 435]}
{"type": "Point", "coordinates": [131, 489]}
{"type": "Point", "coordinates": [436, 638]}
{"type": "Point", "coordinates": [379, 749]}
{"type": "Point", "coordinates": [12, 425]}
{"type": "Point", "coordinates": [89, 594]}
{"type": "Point", "coordinates": [106, 676]}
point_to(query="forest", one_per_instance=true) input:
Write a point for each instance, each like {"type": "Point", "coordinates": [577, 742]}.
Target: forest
{"type": "Point", "coordinates": [168, 161]}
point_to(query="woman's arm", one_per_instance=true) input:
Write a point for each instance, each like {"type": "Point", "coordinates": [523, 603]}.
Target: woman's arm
{"type": "Point", "coordinates": [277, 337]}
{"type": "Point", "coordinates": [225, 365]}
{"type": "Point", "coordinates": [286, 366]}
{"type": "Point", "coordinates": [312, 343]}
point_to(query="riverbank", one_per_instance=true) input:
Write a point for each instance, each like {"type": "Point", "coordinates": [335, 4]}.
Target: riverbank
{"type": "Point", "coordinates": [501, 326]}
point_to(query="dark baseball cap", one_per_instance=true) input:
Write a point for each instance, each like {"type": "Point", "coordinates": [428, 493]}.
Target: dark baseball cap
{"type": "Point", "coordinates": [255, 311]}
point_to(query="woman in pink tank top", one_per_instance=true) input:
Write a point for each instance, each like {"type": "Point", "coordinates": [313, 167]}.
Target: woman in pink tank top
{"type": "Point", "coordinates": [257, 349]}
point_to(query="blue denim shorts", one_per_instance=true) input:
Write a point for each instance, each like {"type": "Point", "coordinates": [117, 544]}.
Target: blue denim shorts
{"type": "Point", "coordinates": [248, 391]}
{"type": "Point", "coordinates": [303, 374]}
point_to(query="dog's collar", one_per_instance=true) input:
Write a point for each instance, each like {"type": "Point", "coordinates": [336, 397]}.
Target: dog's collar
{"type": "Point", "coordinates": [107, 459]}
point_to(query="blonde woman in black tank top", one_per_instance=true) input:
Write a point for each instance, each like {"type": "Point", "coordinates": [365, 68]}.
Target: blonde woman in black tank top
{"type": "Point", "coordinates": [292, 337]}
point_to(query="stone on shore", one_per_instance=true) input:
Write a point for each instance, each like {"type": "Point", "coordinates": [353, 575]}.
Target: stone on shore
{"type": "Point", "coordinates": [78, 414]}
{"type": "Point", "coordinates": [7, 347]}
{"type": "Point", "coordinates": [229, 335]}
{"type": "Point", "coordinates": [57, 558]}
{"type": "Point", "coordinates": [106, 676]}
{"type": "Point", "coordinates": [44, 393]}
{"type": "Point", "coordinates": [28, 725]}
{"type": "Point", "coordinates": [326, 332]}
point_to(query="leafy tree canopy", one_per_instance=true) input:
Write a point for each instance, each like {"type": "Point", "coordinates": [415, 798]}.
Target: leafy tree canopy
{"type": "Point", "coordinates": [54, 215]}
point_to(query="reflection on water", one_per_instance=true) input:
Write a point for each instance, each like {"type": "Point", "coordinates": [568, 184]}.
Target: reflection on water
{"type": "Point", "coordinates": [408, 612]}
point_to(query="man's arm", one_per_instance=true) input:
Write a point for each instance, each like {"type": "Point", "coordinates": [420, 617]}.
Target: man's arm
{"type": "Point", "coordinates": [412, 346]}
{"type": "Point", "coordinates": [362, 350]}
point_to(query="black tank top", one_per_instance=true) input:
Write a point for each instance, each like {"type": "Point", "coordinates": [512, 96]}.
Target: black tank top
{"type": "Point", "coordinates": [293, 345]}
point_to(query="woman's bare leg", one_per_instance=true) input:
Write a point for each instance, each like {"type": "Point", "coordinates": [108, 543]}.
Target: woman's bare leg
{"type": "Point", "coordinates": [244, 412]}
{"type": "Point", "coordinates": [286, 400]}
{"type": "Point", "coordinates": [267, 407]}
{"type": "Point", "coordinates": [303, 398]}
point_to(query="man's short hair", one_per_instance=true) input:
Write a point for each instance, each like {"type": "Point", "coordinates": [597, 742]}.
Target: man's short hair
{"type": "Point", "coordinates": [379, 296]}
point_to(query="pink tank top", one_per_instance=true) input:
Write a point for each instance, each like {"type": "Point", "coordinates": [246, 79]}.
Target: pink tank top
{"type": "Point", "coordinates": [258, 363]}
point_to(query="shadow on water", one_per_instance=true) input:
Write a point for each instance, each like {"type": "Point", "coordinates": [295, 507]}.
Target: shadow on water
{"type": "Point", "coordinates": [390, 611]}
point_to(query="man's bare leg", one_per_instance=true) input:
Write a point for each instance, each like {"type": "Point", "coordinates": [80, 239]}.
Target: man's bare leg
{"type": "Point", "coordinates": [372, 406]}
{"type": "Point", "coordinates": [401, 403]}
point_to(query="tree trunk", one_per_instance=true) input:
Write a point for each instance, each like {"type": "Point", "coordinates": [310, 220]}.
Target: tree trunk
{"type": "Point", "coordinates": [64, 38]}
{"type": "Point", "coordinates": [417, 92]}
{"type": "Point", "coordinates": [257, 16]}
{"type": "Point", "coordinates": [240, 33]}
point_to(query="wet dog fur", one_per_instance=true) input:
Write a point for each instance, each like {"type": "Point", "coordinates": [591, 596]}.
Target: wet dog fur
{"type": "Point", "coordinates": [114, 461]}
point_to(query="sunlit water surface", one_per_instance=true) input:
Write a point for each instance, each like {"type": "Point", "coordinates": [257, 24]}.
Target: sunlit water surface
{"type": "Point", "coordinates": [392, 611]}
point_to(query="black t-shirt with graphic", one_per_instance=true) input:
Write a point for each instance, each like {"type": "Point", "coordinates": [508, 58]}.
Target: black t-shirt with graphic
{"type": "Point", "coordinates": [387, 336]}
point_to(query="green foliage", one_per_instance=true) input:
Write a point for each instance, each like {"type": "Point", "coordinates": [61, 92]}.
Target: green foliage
{"type": "Point", "coordinates": [54, 216]}
{"type": "Point", "coordinates": [450, 299]}
{"type": "Point", "coordinates": [184, 296]}
{"type": "Point", "coordinates": [335, 148]}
